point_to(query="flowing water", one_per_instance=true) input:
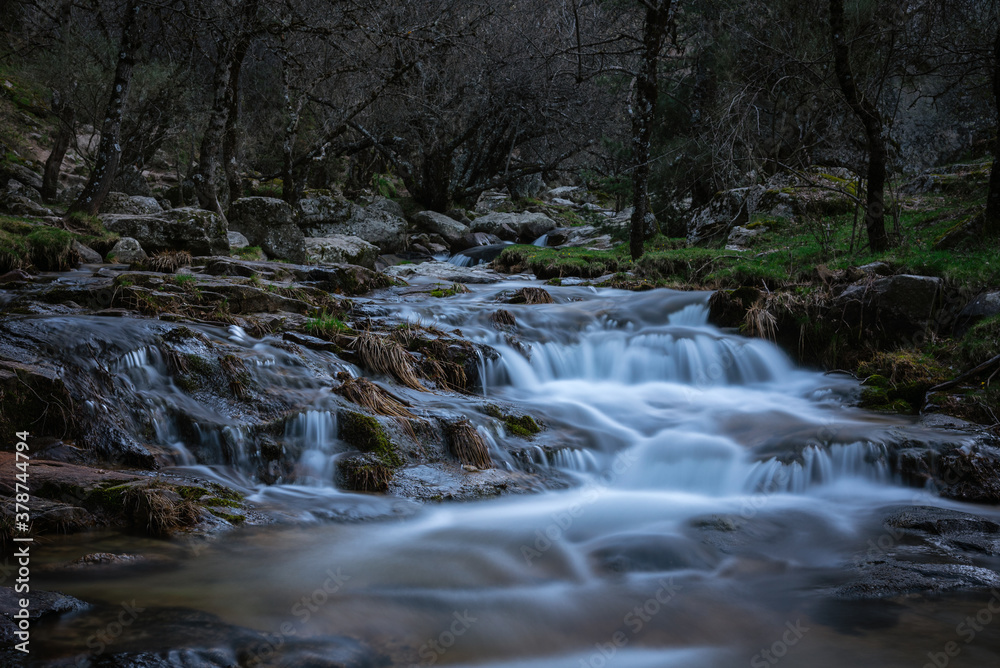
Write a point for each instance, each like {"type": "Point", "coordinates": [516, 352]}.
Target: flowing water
{"type": "Point", "coordinates": [715, 498]}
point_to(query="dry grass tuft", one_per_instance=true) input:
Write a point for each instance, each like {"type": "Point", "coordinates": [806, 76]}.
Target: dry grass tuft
{"type": "Point", "coordinates": [387, 357]}
{"type": "Point", "coordinates": [368, 395]}
{"type": "Point", "coordinates": [158, 511]}
{"type": "Point", "coordinates": [468, 445]}
{"type": "Point", "coordinates": [167, 262]}
{"type": "Point", "coordinates": [365, 473]}
{"type": "Point", "coordinates": [530, 296]}
{"type": "Point", "coordinates": [760, 322]}
{"type": "Point", "coordinates": [503, 319]}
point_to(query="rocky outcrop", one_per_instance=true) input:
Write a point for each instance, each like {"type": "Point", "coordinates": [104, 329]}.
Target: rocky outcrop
{"type": "Point", "coordinates": [120, 203]}
{"type": "Point", "coordinates": [341, 250]}
{"type": "Point", "coordinates": [86, 254]}
{"type": "Point", "coordinates": [985, 305]}
{"type": "Point", "coordinates": [268, 222]}
{"type": "Point", "coordinates": [237, 240]}
{"type": "Point", "coordinates": [452, 231]}
{"type": "Point", "coordinates": [520, 227]}
{"type": "Point", "coordinates": [712, 223]}
{"type": "Point", "coordinates": [330, 216]}
{"type": "Point", "coordinates": [197, 231]}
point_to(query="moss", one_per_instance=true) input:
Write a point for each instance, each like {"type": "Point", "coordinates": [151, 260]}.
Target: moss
{"type": "Point", "coordinates": [365, 473]}
{"type": "Point", "coordinates": [229, 517]}
{"type": "Point", "coordinates": [367, 435]}
{"type": "Point", "coordinates": [51, 248]}
{"type": "Point", "coordinates": [981, 342]}
{"type": "Point", "coordinates": [518, 425]}
{"type": "Point", "coordinates": [224, 503]}
{"type": "Point", "coordinates": [190, 493]}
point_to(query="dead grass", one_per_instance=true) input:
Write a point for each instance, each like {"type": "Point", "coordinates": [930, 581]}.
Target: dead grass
{"type": "Point", "coordinates": [530, 296]}
{"type": "Point", "coordinates": [384, 356]}
{"type": "Point", "coordinates": [468, 445]}
{"type": "Point", "coordinates": [158, 511]}
{"type": "Point", "coordinates": [367, 394]}
{"type": "Point", "coordinates": [365, 473]}
{"type": "Point", "coordinates": [167, 262]}
{"type": "Point", "coordinates": [503, 319]}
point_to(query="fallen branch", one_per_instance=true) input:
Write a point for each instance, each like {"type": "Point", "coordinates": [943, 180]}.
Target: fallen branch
{"type": "Point", "coordinates": [966, 375]}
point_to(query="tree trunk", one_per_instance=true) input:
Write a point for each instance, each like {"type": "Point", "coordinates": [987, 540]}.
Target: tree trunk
{"type": "Point", "coordinates": [871, 119]}
{"type": "Point", "coordinates": [109, 150]}
{"type": "Point", "coordinates": [205, 181]}
{"type": "Point", "coordinates": [992, 216]}
{"type": "Point", "coordinates": [643, 110]}
{"type": "Point", "coordinates": [53, 164]}
{"type": "Point", "coordinates": [231, 136]}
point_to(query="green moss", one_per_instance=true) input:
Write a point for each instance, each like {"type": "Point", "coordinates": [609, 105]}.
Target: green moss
{"type": "Point", "coordinates": [981, 342]}
{"type": "Point", "coordinates": [518, 425]}
{"type": "Point", "coordinates": [190, 493]}
{"type": "Point", "coordinates": [249, 253]}
{"type": "Point", "coordinates": [229, 517]}
{"type": "Point", "coordinates": [367, 435]}
{"type": "Point", "coordinates": [224, 503]}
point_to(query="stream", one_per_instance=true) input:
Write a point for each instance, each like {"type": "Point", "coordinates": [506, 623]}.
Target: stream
{"type": "Point", "coordinates": [709, 505]}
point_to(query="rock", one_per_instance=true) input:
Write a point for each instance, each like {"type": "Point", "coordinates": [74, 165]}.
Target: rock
{"type": "Point", "coordinates": [327, 216]}
{"type": "Point", "coordinates": [559, 236]}
{"type": "Point", "coordinates": [127, 251]}
{"type": "Point", "coordinates": [41, 604]}
{"type": "Point", "coordinates": [87, 254]}
{"type": "Point", "coordinates": [120, 203]}
{"type": "Point", "coordinates": [491, 200]}
{"type": "Point", "coordinates": [526, 226]}
{"type": "Point", "coordinates": [741, 237]}
{"type": "Point", "coordinates": [341, 250]}
{"type": "Point", "coordinates": [900, 306]}
{"type": "Point", "coordinates": [197, 231]}
{"type": "Point", "coordinates": [471, 257]}
{"type": "Point", "coordinates": [344, 279]}
{"type": "Point", "coordinates": [15, 187]}
{"type": "Point", "coordinates": [445, 272]}
{"type": "Point", "coordinates": [19, 205]}
{"type": "Point", "coordinates": [389, 206]}
{"type": "Point", "coordinates": [129, 180]}
{"type": "Point", "coordinates": [237, 240]}
{"type": "Point", "coordinates": [713, 223]}
{"type": "Point", "coordinates": [12, 170]}
{"type": "Point", "coordinates": [526, 187]}
{"type": "Point", "coordinates": [461, 215]}
{"type": "Point", "coordinates": [876, 269]}
{"type": "Point", "coordinates": [474, 239]}
{"type": "Point", "coordinates": [986, 305]}
{"type": "Point", "coordinates": [450, 229]}
{"type": "Point", "coordinates": [268, 222]}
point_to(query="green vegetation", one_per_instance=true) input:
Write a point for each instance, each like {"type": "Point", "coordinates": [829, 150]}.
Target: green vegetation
{"type": "Point", "coordinates": [518, 425]}
{"type": "Point", "coordinates": [367, 435]}
{"type": "Point", "coordinates": [454, 289]}
{"type": "Point", "coordinates": [326, 323]}
{"type": "Point", "coordinates": [249, 253]}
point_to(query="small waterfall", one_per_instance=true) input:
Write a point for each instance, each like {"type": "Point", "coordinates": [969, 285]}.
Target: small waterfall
{"type": "Point", "coordinates": [820, 466]}
{"type": "Point", "coordinates": [541, 241]}
{"type": "Point", "coordinates": [314, 433]}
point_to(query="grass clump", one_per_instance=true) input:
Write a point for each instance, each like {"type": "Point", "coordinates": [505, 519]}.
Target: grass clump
{"type": "Point", "coordinates": [981, 342]}
{"type": "Point", "coordinates": [365, 473]}
{"type": "Point", "coordinates": [249, 253]}
{"type": "Point", "coordinates": [467, 445]}
{"type": "Point", "coordinates": [454, 289]}
{"type": "Point", "coordinates": [370, 396]}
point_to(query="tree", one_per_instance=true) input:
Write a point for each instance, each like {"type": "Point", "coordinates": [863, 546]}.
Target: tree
{"type": "Point", "coordinates": [642, 111]}
{"type": "Point", "coordinates": [110, 150]}
{"type": "Point", "coordinates": [992, 215]}
{"type": "Point", "coordinates": [866, 110]}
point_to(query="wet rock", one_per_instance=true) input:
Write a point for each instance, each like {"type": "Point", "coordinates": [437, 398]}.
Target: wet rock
{"type": "Point", "coordinates": [87, 254]}
{"type": "Point", "coordinates": [343, 279]}
{"type": "Point", "coordinates": [194, 230]}
{"type": "Point", "coordinates": [120, 203]}
{"type": "Point", "coordinates": [651, 553]}
{"type": "Point", "coordinates": [15, 276]}
{"type": "Point", "coordinates": [341, 250]}
{"type": "Point", "coordinates": [41, 605]}
{"type": "Point", "coordinates": [35, 390]}
{"type": "Point", "coordinates": [522, 227]}
{"type": "Point", "coordinates": [127, 251]}
{"type": "Point", "coordinates": [268, 222]}
{"type": "Point", "coordinates": [452, 231]}
{"type": "Point", "coordinates": [474, 239]}
{"type": "Point", "coordinates": [445, 272]}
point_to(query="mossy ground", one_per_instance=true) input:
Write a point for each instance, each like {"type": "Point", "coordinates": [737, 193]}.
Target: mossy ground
{"type": "Point", "coordinates": [367, 435]}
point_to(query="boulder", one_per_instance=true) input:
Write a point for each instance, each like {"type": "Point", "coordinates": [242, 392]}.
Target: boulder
{"type": "Point", "coordinates": [526, 227]}
{"type": "Point", "coordinates": [19, 205]}
{"type": "Point", "coordinates": [389, 206]}
{"type": "Point", "coordinates": [327, 216]}
{"type": "Point", "coordinates": [18, 172]}
{"type": "Point", "coordinates": [899, 306]}
{"type": "Point", "coordinates": [341, 250]}
{"type": "Point", "coordinates": [461, 215]}
{"type": "Point", "coordinates": [742, 237]}
{"type": "Point", "coordinates": [713, 223]}
{"type": "Point", "coordinates": [87, 254]}
{"type": "Point", "coordinates": [491, 200]}
{"type": "Point", "coordinates": [120, 203]}
{"type": "Point", "coordinates": [127, 251]}
{"type": "Point", "coordinates": [986, 305]}
{"type": "Point", "coordinates": [237, 240]}
{"type": "Point", "coordinates": [473, 239]}
{"type": "Point", "coordinates": [450, 229]}
{"type": "Point", "coordinates": [15, 187]}
{"type": "Point", "coordinates": [268, 222]}
{"type": "Point", "coordinates": [197, 231]}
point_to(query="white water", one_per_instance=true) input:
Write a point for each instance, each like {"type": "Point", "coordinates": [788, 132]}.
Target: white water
{"type": "Point", "coordinates": [717, 489]}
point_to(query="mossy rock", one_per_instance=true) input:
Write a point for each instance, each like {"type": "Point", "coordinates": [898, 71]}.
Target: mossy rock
{"type": "Point", "coordinates": [367, 435]}
{"type": "Point", "coordinates": [523, 426]}
{"type": "Point", "coordinates": [365, 473]}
